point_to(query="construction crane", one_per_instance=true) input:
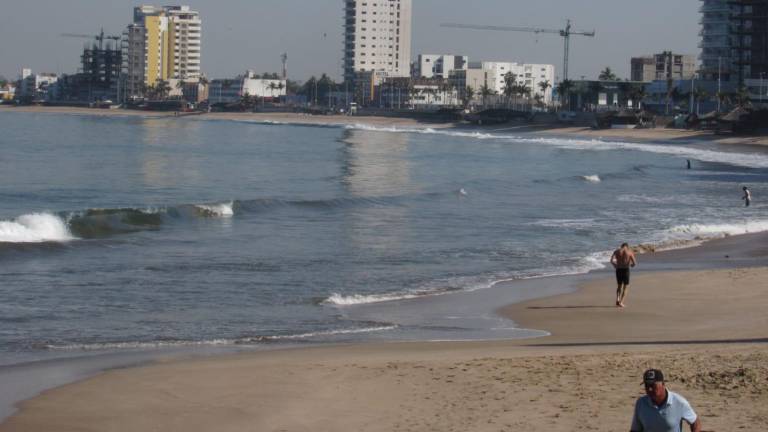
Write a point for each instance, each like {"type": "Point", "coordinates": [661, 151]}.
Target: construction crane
{"type": "Point", "coordinates": [99, 37]}
{"type": "Point", "coordinates": [564, 33]}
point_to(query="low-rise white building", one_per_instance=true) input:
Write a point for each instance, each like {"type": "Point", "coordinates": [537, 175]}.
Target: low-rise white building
{"type": "Point", "coordinates": [531, 75]}
{"type": "Point", "coordinates": [439, 65]}
{"type": "Point", "coordinates": [36, 86]}
{"type": "Point", "coordinates": [232, 90]}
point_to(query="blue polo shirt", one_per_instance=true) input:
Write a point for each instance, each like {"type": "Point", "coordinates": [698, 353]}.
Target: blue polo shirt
{"type": "Point", "coordinates": [666, 418]}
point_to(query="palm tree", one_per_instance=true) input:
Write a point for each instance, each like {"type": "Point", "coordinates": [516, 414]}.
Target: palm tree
{"type": "Point", "coordinates": [163, 88]}
{"type": "Point", "coordinates": [469, 93]}
{"type": "Point", "coordinates": [272, 87]}
{"type": "Point", "coordinates": [486, 91]}
{"type": "Point", "coordinates": [671, 88]}
{"type": "Point", "coordinates": [698, 95]}
{"type": "Point", "coordinates": [607, 75]}
{"type": "Point", "coordinates": [544, 85]}
{"type": "Point", "coordinates": [741, 97]}
{"type": "Point", "coordinates": [563, 88]}
{"type": "Point", "coordinates": [523, 90]}
{"type": "Point", "coordinates": [510, 86]}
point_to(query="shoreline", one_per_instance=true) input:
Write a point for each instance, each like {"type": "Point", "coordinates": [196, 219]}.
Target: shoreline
{"type": "Point", "coordinates": [717, 320]}
{"type": "Point", "coordinates": [752, 142]}
{"type": "Point", "coordinates": [745, 253]}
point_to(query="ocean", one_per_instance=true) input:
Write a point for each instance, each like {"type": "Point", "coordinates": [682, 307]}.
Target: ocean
{"type": "Point", "coordinates": [126, 233]}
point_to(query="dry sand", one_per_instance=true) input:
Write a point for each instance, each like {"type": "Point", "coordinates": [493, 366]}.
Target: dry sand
{"type": "Point", "coordinates": [706, 329]}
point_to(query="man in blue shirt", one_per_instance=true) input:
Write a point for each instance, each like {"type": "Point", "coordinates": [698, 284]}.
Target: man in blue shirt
{"type": "Point", "coordinates": [661, 410]}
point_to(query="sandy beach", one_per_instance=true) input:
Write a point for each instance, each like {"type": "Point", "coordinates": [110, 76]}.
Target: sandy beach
{"type": "Point", "coordinates": [700, 317]}
{"type": "Point", "coordinates": [640, 135]}
{"type": "Point", "coordinates": [705, 329]}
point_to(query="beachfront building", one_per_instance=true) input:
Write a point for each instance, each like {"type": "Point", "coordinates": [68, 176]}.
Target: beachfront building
{"type": "Point", "coordinates": [438, 65]}
{"type": "Point", "coordinates": [472, 81]}
{"type": "Point", "coordinates": [663, 66]}
{"type": "Point", "coordinates": [7, 92]}
{"type": "Point", "coordinates": [529, 75]}
{"type": "Point", "coordinates": [35, 87]}
{"type": "Point", "coordinates": [161, 44]}
{"type": "Point", "coordinates": [233, 90]}
{"type": "Point", "coordinates": [377, 38]}
{"type": "Point", "coordinates": [602, 95]}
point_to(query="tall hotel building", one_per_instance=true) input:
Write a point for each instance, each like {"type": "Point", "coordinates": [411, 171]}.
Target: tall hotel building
{"type": "Point", "coordinates": [377, 37]}
{"type": "Point", "coordinates": [162, 43]}
{"type": "Point", "coordinates": [734, 39]}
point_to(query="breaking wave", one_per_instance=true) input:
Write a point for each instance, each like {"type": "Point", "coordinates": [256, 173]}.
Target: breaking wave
{"type": "Point", "coordinates": [581, 265]}
{"type": "Point", "coordinates": [35, 228]}
{"type": "Point", "coordinates": [718, 230]}
{"type": "Point", "coordinates": [594, 178]}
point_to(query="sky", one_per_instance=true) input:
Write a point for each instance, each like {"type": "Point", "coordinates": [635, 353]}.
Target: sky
{"type": "Point", "coordinates": [251, 34]}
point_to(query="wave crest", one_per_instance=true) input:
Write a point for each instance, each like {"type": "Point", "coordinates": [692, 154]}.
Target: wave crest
{"type": "Point", "coordinates": [35, 228]}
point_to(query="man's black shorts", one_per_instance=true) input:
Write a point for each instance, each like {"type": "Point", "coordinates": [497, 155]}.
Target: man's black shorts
{"type": "Point", "coordinates": [622, 276]}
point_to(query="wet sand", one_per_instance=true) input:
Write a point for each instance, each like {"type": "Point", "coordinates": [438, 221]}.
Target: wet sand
{"type": "Point", "coordinates": [706, 329]}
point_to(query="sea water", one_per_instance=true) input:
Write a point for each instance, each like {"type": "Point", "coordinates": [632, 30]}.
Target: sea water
{"type": "Point", "coordinates": [125, 233]}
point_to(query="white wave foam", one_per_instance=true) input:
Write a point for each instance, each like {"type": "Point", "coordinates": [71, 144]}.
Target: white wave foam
{"type": "Point", "coordinates": [211, 342]}
{"type": "Point", "coordinates": [333, 333]}
{"type": "Point", "coordinates": [35, 228]}
{"type": "Point", "coordinates": [718, 230]}
{"type": "Point", "coordinates": [565, 223]}
{"type": "Point", "coordinates": [221, 210]}
{"type": "Point", "coordinates": [594, 178]}
{"type": "Point", "coordinates": [641, 198]}
{"type": "Point", "coordinates": [359, 299]}
{"type": "Point", "coordinates": [753, 160]}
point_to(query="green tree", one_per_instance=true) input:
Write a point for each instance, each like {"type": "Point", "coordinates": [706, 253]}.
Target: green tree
{"type": "Point", "coordinates": [543, 86]}
{"type": "Point", "coordinates": [486, 91]}
{"type": "Point", "coordinates": [670, 88]}
{"type": "Point", "coordinates": [607, 75]}
{"type": "Point", "coordinates": [510, 86]}
{"type": "Point", "coordinates": [564, 88]}
{"type": "Point", "coordinates": [469, 93]}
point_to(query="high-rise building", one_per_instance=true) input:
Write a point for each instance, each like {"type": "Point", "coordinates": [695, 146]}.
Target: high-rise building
{"type": "Point", "coordinates": [162, 43]}
{"type": "Point", "coordinates": [663, 66]}
{"type": "Point", "coordinates": [734, 39]}
{"type": "Point", "coordinates": [377, 37]}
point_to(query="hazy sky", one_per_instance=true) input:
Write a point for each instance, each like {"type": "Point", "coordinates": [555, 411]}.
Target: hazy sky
{"type": "Point", "coordinates": [251, 34]}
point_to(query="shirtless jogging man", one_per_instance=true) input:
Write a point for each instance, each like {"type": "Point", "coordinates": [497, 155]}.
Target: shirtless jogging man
{"type": "Point", "coordinates": [622, 259]}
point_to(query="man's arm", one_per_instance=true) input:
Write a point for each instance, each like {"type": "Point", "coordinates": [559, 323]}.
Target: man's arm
{"type": "Point", "coordinates": [696, 426]}
{"type": "Point", "coordinates": [636, 425]}
{"type": "Point", "coordinates": [613, 259]}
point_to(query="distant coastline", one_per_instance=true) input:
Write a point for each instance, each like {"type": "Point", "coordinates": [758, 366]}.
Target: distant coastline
{"type": "Point", "coordinates": [643, 135]}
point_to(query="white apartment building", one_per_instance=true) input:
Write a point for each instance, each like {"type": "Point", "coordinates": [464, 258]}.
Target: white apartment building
{"type": "Point", "coordinates": [377, 37]}
{"type": "Point", "coordinates": [439, 65]}
{"type": "Point", "coordinates": [529, 74]}
{"type": "Point", "coordinates": [36, 86]}
{"type": "Point", "coordinates": [162, 43]}
{"type": "Point", "coordinates": [232, 90]}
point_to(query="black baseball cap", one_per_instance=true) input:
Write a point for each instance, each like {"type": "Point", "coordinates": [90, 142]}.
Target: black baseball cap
{"type": "Point", "coordinates": [652, 375]}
